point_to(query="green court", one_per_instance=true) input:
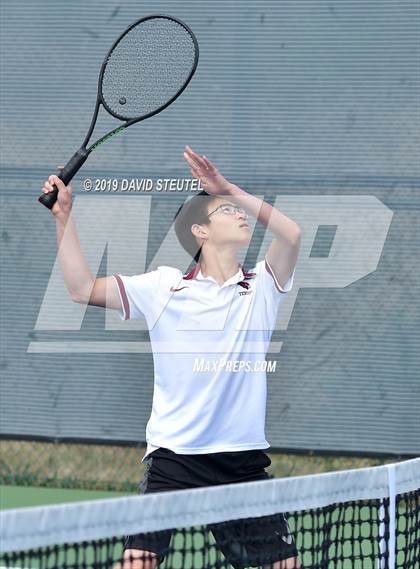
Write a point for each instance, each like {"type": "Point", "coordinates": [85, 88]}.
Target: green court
{"type": "Point", "coordinates": [25, 496]}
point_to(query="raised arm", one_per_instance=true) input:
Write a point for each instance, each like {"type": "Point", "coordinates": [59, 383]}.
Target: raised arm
{"type": "Point", "coordinates": [282, 254]}
{"type": "Point", "coordinates": [81, 285]}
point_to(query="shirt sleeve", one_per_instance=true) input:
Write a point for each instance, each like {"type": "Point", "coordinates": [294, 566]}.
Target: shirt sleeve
{"type": "Point", "coordinates": [272, 290]}
{"type": "Point", "coordinates": [138, 294]}
{"type": "Point", "coordinates": [281, 289]}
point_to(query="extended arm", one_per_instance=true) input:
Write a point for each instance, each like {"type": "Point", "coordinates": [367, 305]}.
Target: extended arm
{"type": "Point", "coordinates": [80, 283]}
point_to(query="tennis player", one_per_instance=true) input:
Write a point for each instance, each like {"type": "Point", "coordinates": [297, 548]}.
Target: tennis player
{"type": "Point", "coordinates": [209, 330]}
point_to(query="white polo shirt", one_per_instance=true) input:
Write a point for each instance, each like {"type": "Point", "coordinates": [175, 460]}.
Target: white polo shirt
{"type": "Point", "coordinates": [201, 405]}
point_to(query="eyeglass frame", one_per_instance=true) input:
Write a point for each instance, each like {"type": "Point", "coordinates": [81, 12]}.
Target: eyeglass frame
{"type": "Point", "coordinates": [237, 209]}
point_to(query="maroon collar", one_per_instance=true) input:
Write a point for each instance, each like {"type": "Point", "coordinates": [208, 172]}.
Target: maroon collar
{"type": "Point", "coordinates": [193, 273]}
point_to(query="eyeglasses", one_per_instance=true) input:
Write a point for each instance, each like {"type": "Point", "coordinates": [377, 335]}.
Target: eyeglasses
{"type": "Point", "coordinates": [229, 209]}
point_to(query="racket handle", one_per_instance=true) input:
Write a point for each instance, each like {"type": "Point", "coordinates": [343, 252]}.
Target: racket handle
{"type": "Point", "coordinates": [66, 175]}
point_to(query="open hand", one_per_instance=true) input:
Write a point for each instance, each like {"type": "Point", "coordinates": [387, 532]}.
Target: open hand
{"type": "Point", "coordinates": [210, 178]}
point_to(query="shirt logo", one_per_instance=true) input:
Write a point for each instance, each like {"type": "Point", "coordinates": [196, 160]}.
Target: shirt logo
{"type": "Point", "coordinates": [243, 292]}
{"type": "Point", "coordinates": [172, 289]}
{"type": "Point", "coordinates": [246, 286]}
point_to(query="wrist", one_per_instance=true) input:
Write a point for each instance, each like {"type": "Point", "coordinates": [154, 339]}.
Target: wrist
{"type": "Point", "coordinates": [233, 190]}
{"type": "Point", "coordinates": [62, 218]}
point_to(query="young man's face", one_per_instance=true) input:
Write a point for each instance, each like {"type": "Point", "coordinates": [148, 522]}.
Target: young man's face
{"type": "Point", "coordinates": [227, 227]}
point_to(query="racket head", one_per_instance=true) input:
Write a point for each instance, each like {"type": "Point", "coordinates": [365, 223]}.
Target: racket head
{"type": "Point", "coordinates": [147, 68]}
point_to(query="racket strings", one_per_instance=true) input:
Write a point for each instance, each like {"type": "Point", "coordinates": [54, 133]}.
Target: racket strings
{"type": "Point", "coordinates": [147, 68]}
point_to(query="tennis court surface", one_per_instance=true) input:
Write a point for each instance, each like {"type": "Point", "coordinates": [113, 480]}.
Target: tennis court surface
{"type": "Point", "coordinates": [355, 519]}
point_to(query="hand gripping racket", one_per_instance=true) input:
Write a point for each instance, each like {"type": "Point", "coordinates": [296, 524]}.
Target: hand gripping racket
{"type": "Point", "coordinates": [145, 70]}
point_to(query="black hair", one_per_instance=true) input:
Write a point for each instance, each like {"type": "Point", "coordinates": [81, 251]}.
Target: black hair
{"type": "Point", "coordinates": [192, 211]}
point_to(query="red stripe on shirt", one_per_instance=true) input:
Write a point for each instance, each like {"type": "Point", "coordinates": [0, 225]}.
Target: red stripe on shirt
{"type": "Point", "coordinates": [267, 266]}
{"type": "Point", "coordinates": [124, 297]}
{"type": "Point", "coordinates": [193, 273]}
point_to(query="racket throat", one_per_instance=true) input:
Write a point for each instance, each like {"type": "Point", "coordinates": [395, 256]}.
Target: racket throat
{"type": "Point", "coordinates": [106, 137]}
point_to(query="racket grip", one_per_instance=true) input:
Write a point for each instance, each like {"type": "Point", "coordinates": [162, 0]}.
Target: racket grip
{"type": "Point", "coordinates": [66, 175]}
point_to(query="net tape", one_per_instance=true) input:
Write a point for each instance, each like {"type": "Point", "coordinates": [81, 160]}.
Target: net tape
{"type": "Point", "coordinates": [360, 518]}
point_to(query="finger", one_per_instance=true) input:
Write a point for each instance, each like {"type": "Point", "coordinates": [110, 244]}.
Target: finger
{"type": "Point", "coordinates": [191, 161]}
{"type": "Point", "coordinates": [60, 167]}
{"type": "Point", "coordinates": [190, 153]}
{"type": "Point", "coordinates": [53, 180]}
{"type": "Point", "coordinates": [210, 165]}
{"type": "Point", "coordinates": [198, 162]}
{"type": "Point", "coordinates": [198, 158]}
{"type": "Point", "coordinates": [59, 183]}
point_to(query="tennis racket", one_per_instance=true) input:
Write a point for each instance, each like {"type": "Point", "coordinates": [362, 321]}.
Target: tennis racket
{"type": "Point", "coordinates": [145, 71]}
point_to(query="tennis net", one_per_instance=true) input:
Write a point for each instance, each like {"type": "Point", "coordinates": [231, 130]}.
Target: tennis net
{"type": "Point", "coordinates": [356, 519]}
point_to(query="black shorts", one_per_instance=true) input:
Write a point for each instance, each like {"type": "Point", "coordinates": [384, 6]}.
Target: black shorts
{"type": "Point", "coordinates": [243, 544]}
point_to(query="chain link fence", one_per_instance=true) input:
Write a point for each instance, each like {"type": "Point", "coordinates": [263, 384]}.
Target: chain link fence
{"type": "Point", "coordinates": [119, 468]}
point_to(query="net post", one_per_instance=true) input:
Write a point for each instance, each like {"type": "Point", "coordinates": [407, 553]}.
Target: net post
{"type": "Point", "coordinates": [389, 544]}
{"type": "Point", "coordinates": [392, 515]}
